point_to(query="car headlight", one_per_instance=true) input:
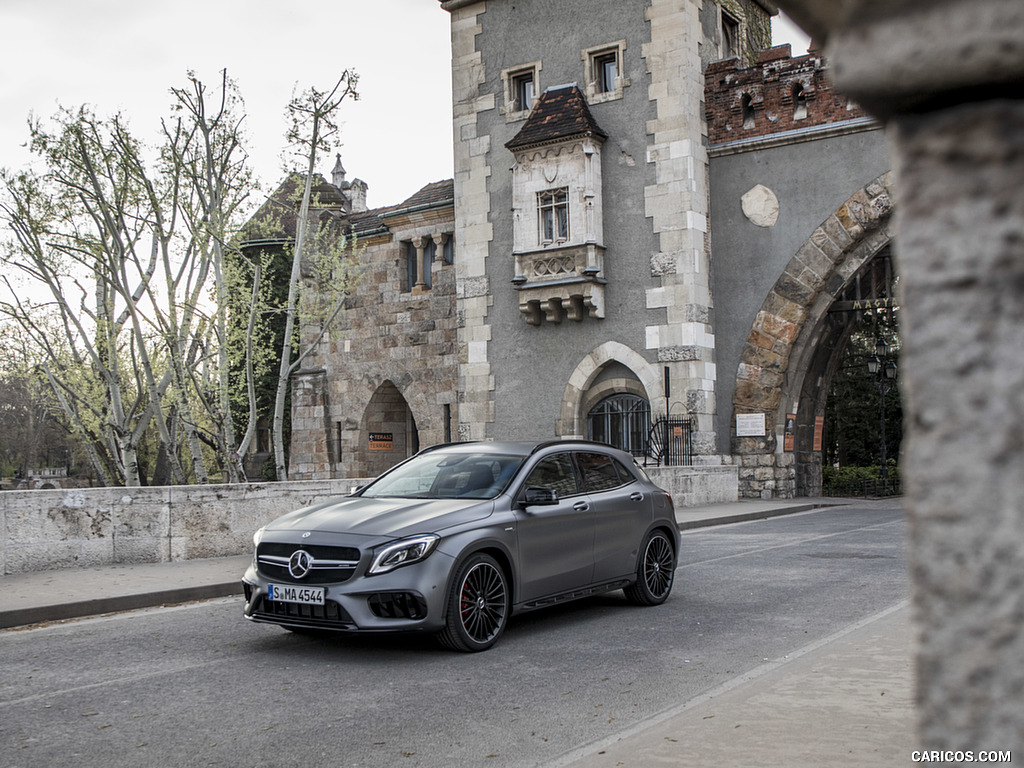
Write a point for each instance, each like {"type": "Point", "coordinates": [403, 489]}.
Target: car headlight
{"type": "Point", "coordinates": [403, 552]}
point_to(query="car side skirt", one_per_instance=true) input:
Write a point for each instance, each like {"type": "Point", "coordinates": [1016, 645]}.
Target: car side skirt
{"type": "Point", "coordinates": [576, 594]}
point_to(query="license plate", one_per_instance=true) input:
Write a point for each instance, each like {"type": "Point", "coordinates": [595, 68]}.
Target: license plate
{"type": "Point", "coordinates": [287, 593]}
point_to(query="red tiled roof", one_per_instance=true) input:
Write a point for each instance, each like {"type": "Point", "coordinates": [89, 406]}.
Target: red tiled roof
{"type": "Point", "coordinates": [436, 192]}
{"type": "Point", "coordinates": [559, 113]}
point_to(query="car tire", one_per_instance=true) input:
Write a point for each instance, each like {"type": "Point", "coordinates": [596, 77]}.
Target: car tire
{"type": "Point", "coordinates": [478, 605]}
{"type": "Point", "coordinates": [656, 571]}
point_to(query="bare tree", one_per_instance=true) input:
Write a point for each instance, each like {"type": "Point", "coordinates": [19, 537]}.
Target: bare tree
{"type": "Point", "coordinates": [76, 229]}
{"type": "Point", "coordinates": [313, 131]}
{"type": "Point", "coordinates": [205, 147]}
{"type": "Point", "coordinates": [131, 261]}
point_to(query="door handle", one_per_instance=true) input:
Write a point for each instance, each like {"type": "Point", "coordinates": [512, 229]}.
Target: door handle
{"type": "Point", "coordinates": [636, 496]}
{"type": "Point", "coordinates": [581, 506]}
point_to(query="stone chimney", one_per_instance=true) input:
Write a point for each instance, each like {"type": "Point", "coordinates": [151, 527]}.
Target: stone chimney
{"type": "Point", "coordinates": [357, 195]}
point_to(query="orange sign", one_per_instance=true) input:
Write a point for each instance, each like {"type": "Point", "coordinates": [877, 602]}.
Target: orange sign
{"type": "Point", "coordinates": [382, 441]}
{"type": "Point", "coordinates": [790, 434]}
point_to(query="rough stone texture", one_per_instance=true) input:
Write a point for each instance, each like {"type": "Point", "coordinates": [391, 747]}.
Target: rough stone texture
{"type": "Point", "coordinates": [958, 125]}
{"type": "Point", "coordinates": [962, 228]}
{"type": "Point", "coordinates": [472, 171]}
{"type": "Point", "coordinates": [792, 308]}
{"type": "Point", "coordinates": [761, 206]}
{"type": "Point", "coordinates": [390, 362]}
{"type": "Point", "coordinates": [46, 530]}
{"type": "Point", "coordinates": [697, 486]}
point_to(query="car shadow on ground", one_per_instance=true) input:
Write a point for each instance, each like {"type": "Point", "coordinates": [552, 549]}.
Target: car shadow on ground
{"type": "Point", "coordinates": [576, 616]}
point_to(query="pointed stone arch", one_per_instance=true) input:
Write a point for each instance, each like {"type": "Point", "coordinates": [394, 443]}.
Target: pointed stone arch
{"type": "Point", "coordinates": [387, 413]}
{"type": "Point", "coordinates": [414, 393]}
{"type": "Point", "coordinates": [776, 359]}
{"type": "Point", "coordinates": [572, 420]}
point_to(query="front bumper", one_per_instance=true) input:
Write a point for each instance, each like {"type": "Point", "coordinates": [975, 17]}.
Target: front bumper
{"type": "Point", "coordinates": [407, 599]}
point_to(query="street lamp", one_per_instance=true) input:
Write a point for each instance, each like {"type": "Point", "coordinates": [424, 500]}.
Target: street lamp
{"type": "Point", "coordinates": [883, 368]}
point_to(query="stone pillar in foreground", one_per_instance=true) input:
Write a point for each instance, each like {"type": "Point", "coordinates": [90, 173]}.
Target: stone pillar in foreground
{"type": "Point", "coordinates": [948, 79]}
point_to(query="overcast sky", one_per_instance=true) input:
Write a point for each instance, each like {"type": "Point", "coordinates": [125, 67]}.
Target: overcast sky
{"type": "Point", "coordinates": [124, 55]}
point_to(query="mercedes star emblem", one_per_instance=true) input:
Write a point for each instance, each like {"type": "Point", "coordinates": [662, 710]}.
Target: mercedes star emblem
{"type": "Point", "coordinates": [300, 563]}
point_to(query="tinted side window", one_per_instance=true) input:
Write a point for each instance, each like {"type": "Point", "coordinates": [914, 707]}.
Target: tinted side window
{"type": "Point", "coordinates": [554, 472]}
{"type": "Point", "coordinates": [625, 476]}
{"type": "Point", "coordinates": [599, 472]}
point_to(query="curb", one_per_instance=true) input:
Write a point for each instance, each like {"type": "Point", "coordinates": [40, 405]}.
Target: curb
{"type": "Point", "coordinates": [742, 517]}
{"type": "Point", "coordinates": [46, 613]}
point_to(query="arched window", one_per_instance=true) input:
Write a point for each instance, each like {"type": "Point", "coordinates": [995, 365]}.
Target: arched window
{"type": "Point", "coordinates": [747, 110]}
{"type": "Point", "coordinates": [622, 421]}
{"type": "Point", "coordinates": [799, 102]}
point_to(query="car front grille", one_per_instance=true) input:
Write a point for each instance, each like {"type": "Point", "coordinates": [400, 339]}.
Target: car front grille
{"type": "Point", "coordinates": [330, 615]}
{"type": "Point", "coordinates": [331, 565]}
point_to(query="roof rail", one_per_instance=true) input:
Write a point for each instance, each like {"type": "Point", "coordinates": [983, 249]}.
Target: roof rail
{"type": "Point", "coordinates": [430, 448]}
{"type": "Point", "coordinates": [569, 441]}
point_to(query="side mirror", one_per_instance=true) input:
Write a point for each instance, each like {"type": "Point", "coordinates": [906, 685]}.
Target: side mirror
{"type": "Point", "coordinates": [540, 497]}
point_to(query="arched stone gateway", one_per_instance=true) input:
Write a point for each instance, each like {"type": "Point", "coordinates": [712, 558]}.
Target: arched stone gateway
{"type": "Point", "coordinates": [585, 388]}
{"type": "Point", "coordinates": [793, 347]}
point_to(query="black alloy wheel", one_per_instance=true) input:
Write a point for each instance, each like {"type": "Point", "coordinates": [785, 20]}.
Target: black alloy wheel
{"type": "Point", "coordinates": [478, 605]}
{"type": "Point", "coordinates": [655, 573]}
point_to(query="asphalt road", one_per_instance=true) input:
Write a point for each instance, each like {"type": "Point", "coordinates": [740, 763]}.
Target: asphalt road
{"type": "Point", "coordinates": [199, 686]}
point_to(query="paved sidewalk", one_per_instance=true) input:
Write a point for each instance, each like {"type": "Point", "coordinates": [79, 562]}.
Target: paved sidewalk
{"type": "Point", "coordinates": [846, 700]}
{"type": "Point", "coordinates": [31, 598]}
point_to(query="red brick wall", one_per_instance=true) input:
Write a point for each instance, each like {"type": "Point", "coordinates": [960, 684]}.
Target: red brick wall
{"type": "Point", "coordinates": [766, 99]}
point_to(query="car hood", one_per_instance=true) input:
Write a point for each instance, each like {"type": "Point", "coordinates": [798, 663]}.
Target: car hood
{"type": "Point", "coordinates": [383, 516]}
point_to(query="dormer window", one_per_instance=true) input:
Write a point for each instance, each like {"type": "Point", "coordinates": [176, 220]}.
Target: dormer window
{"type": "Point", "coordinates": [553, 209]}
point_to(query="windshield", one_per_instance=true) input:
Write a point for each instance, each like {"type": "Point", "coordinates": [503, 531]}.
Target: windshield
{"type": "Point", "coordinates": [441, 475]}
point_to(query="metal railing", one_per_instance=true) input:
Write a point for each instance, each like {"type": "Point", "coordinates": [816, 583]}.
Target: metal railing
{"type": "Point", "coordinates": [670, 443]}
{"type": "Point", "coordinates": [876, 488]}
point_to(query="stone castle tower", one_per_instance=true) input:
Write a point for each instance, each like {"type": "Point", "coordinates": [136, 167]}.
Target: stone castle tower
{"type": "Point", "coordinates": [652, 217]}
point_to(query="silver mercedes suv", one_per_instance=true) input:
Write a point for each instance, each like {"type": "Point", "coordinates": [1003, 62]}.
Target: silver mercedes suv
{"type": "Point", "coordinates": [460, 537]}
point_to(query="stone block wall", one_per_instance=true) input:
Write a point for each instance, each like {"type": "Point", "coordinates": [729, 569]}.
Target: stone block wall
{"type": "Point", "coordinates": [390, 363]}
{"type": "Point", "coordinates": [77, 528]}
{"type": "Point", "coordinates": [767, 475]}
{"type": "Point", "coordinates": [697, 486]}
